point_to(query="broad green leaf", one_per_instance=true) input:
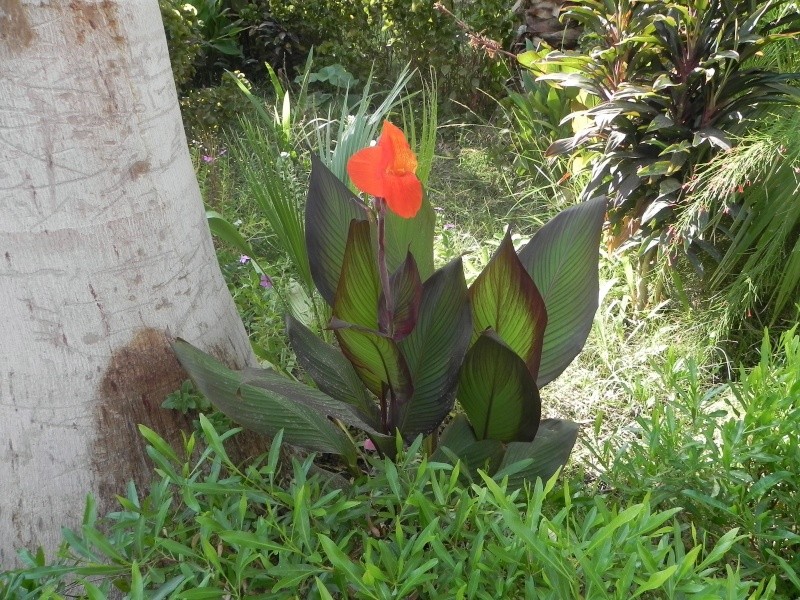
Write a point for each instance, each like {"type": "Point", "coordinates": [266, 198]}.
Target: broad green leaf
{"type": "Point", "coordinates": [413, 235]}
{"type": "Point", "coordinates": [435, 349]}
{"type": "Point", "coordinates": [379, 364]}
{"type": "Point", "coordinates": [498, 393]}
{"type": "Point", "coordinates": [562, 258]}
{"type": "Point", "coordinates": [267, 402]}
{"type": "Point", "coordinates": [330, 370]}
{"type": "Point", "coordinates": [458, 441]}
{"type": "Point", "coordinates": [548, 452]}
{"type": "Point", "coordinates": [505, 299]}
{"type": "Point", "coordinates": [406, 290]}
{"type": "Point", "coordinates": [359, 288]}
{"type": "Point", "coordinates": [329, 209]}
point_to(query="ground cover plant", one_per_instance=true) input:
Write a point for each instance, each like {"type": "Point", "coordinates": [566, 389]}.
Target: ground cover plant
{"type": "Point", "coordinates": [274, 529]}
{"type": "Point", "coordinates": [726, 453]}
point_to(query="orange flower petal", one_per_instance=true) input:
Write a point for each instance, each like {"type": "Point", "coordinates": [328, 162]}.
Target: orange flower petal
{"type": "Point", "coordinates": [387, 171]}
{"type": "Point", "coordinates": [402, 159]}
{"type": "Point", "coordinates": [367, 170]}
{"type": "Point", "coordinates": [403, 194]}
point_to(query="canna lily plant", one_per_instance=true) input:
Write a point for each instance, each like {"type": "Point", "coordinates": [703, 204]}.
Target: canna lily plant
{"type": "Point", "coordinates": [413, 340]}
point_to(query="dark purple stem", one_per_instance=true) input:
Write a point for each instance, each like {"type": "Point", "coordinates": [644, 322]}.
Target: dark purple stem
{"type": "Point", "coordinates": [384, 411]}
{"type": "Point", "coordinates": [383, 270]}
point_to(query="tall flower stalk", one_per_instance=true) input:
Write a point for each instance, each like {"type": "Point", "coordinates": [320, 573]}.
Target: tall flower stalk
{"type": "Point", "coordinates": [383, 269]}
{"type": "Point", "coordinates": [387, 171]}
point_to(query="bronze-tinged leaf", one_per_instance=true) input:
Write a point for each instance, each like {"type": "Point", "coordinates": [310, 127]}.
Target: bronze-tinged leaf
{"type": "Point", "coordinates": [435, 349]}
{"type": "Point", "coordinates": [330, 370]}
{"type": "Point", "coordinates": [267, 402]}
{"type": "Point", "coordinates": [359, 288]}
{"type": "Point", "coordinates": [562, 258]}
{"type": "Point", "coordinates": [330, 207]}
{"type": "Point", "coordinates": [406, 289]}
{"type": "Point", "coordinates": [505, 299]}
{"type": "Point", "coordinates": [379, 363]}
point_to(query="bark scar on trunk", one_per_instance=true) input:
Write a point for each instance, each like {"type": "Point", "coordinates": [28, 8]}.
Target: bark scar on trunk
{"type": "Point", "coordinates": [15, 28]}
{"type": "Point", "coordinates": [138, 378]}
{"type": "Point", "coordinates": [93, 17]}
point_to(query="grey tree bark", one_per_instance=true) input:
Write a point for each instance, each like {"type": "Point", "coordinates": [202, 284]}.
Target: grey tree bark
{"type": "Point", "coordinates": [104, 249]}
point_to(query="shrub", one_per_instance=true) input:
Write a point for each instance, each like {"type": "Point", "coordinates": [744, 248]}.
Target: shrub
{"type": "Point", "coordinates": [209, 529]}
{"type": "Point", "coordinates": [206, 110]}
{"type": "Point", "coordinates": [183, 39]}
{"type": "Point", "coordinates": [673, 81]}
{"type": "Point", "coordinates": [729, 455]}
{"type": "Point", "coordinates": [206, 38]}
{"type": "Point", "coordinates": [383, 37]}
{"type": "Point", "coordinates": [264, 40]}
{"type": "Point", "coordinates": [749, 197]}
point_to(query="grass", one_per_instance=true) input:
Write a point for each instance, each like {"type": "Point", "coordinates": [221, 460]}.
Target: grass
{"type": "Point", "coordinates": [728, 454]}
{"type": "Point", "coordinates": [275, 528]}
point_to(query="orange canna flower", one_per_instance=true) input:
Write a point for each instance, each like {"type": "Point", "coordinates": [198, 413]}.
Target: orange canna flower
{"type": "Point", "coordinates": [387, 170]}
